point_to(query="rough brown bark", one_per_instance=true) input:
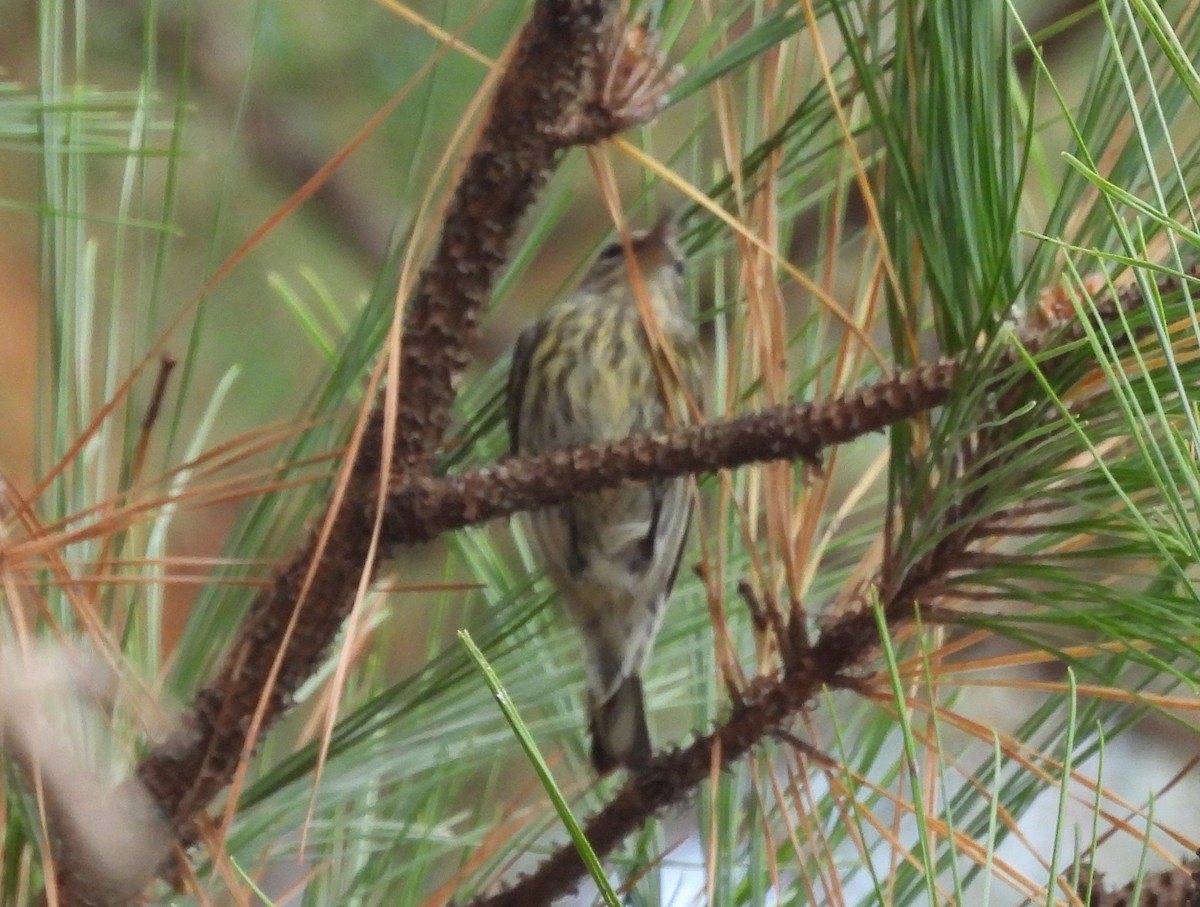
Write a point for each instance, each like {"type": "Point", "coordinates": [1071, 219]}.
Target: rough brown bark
{"type": "Point", "coordinates": [284, 635]}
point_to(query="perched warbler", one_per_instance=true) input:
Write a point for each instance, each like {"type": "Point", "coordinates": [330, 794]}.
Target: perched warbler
{"type": "Point", "coordinates": [585, 373]}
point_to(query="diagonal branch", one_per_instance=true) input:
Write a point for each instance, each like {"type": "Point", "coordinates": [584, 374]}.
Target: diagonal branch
{"type": "Point", "coordinates": [546, 79]}
{"type": "Point", "coordinates": [673, 775]}
{"type": "Point", "coordinates": [557, 58]}
{"type": "Point", "coordinates": [420, 507]}
{"type": "Point", "coordinates": [546, 101]}
{"type": "Point", "coordinates": [771, 703]}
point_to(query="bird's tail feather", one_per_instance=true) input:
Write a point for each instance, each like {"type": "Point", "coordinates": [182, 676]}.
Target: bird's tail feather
{"type": "Point", "coordinates": [620, 736]}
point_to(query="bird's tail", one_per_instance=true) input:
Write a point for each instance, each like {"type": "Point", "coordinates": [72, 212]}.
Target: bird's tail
{"type": "Point", "coordinates": [618, 725]}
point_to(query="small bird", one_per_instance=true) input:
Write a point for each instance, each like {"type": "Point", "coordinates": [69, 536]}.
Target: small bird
{"type": "Point", "coordinates": [585, 373]}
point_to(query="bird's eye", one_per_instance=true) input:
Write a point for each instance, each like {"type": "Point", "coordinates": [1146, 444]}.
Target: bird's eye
{"type": "Point", "coordinates": [611, 252]}
{"type": "Point", "coordinates": [678, 265]}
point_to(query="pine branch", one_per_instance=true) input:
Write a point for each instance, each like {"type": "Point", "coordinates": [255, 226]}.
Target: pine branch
{"type": "Point", "coordinates": [421, 507]}
{"type": "Point", "coordinates": [545, 82]}
{"type": "Point", "coordinates": [556, 61]}
{"type": "Point", "coordinates": [1178, 886]}
{"type": "Point", "coordinates": [562, 88]}
{"type": "Point", "coordinates": [771, 703]}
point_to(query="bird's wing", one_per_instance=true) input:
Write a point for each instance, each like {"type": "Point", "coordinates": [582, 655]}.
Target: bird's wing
{"type": "Point", "coordinates": [518, 374]}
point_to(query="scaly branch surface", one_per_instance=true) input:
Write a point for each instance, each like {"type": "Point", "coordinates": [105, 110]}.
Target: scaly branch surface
{"type": "Point", "coordinates": [553, 76]}
{"type": "Point", "coordinates": [421, 507]}
{"type": "Point", "coordinates": [772, 702]}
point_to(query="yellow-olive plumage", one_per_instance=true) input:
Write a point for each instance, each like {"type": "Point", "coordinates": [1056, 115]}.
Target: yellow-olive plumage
{"type": "Point", "coordinates": [585, 373]}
